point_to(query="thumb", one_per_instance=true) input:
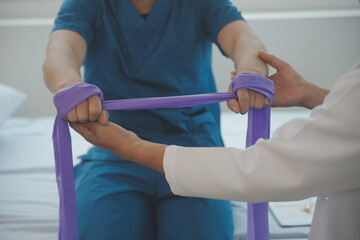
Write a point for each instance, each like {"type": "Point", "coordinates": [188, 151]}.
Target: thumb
{"type": "Point", "coordinates": [273, 61]}
{"type": "Point", "coordinates": [103, 118]}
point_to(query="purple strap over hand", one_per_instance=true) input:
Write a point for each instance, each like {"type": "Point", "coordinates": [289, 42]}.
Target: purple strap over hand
{"type": "Point", "coordinates": [68, 98]}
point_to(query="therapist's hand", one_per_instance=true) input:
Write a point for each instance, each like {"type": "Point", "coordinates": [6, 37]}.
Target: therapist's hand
{"type": "Point", "coordinates": [291, 89]}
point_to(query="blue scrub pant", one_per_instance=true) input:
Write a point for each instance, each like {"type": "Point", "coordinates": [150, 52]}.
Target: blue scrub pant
{"type": "Point", "coordinates": [123, 200]}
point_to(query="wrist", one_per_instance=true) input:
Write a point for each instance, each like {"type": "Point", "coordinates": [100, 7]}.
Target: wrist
{"type": "Point", "coordinates": [148, 154]}
{"type": "Point", "coordinates": [314, 96]}
{"type": "Point", "coordinates": [258, 66]}
{"type": "Point", "coordinates": [57, 79]}
{"type": "Point", "coordinates": [63, 85]}
{"type": "Point", "coordinates": [125, 144]}
{"type": "Point", "coordinates": [258, 71]}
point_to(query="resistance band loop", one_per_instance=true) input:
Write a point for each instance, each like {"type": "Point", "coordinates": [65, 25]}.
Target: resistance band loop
{"type": "Point", "coordinates": [69, 97]}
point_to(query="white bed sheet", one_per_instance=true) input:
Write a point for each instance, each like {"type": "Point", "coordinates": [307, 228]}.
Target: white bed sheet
{"type": "Point", "coordinates": [28, 192]}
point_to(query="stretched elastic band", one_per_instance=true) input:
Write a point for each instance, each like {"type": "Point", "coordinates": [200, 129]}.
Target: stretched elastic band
{"type": "Point", "coordinates": [254, 82]}
{"type": "Point", "coordinates": [68, 98]}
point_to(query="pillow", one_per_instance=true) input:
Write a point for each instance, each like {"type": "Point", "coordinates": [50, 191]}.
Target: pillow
{"type": "Point", "coordinates": [10, 100]}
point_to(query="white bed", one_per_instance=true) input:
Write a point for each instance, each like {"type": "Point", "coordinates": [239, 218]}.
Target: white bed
{"type": "Point", "coordinates": [29, 197]}
{"type": "Point", "coordinates": [28, 192]}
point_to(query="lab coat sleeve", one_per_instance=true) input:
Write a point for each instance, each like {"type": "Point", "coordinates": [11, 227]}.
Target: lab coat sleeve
{"type": "Point", "coordinates": [305, 157]}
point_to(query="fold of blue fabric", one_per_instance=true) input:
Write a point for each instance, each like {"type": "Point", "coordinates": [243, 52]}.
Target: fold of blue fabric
{"type": "Point", "coordinates": [69, 97]}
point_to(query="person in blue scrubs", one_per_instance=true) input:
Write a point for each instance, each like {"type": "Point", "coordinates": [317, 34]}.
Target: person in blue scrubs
{"type": "Point", "coordinates": [148, 48]}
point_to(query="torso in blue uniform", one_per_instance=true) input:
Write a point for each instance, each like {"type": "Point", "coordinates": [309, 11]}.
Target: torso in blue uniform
{"type": "Point", "coordinates": [168, 53]}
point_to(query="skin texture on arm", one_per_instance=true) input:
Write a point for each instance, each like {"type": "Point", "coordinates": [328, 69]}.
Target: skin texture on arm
{"type": "Point", "coordinates": [65, 55]}
{"type": "Point", "coordinates": [291, 90]}
{"type": "Point", "coordinates": [123, 143]}
{"type": "Point", "coordinates": [240, 43]}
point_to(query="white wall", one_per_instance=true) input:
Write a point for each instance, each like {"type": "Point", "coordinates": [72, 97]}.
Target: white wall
{"type": "Point", "coordinates": [321, 44]}
{"type": "Point", "coordinates": [22, 51]}
{"type": "Point", "coordinates": [48, 8]}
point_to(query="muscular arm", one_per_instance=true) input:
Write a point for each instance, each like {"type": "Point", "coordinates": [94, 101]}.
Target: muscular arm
{"type": "Point", "coordinates": [124, 143]}
{"type": "Point", "coordinates": [240, 43]}
{"type": "Point", "coordinates": [65, 54]}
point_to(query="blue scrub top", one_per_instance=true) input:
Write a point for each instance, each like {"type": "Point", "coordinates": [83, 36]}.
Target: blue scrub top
{"type": "Point", "coordinates": [168, 53]}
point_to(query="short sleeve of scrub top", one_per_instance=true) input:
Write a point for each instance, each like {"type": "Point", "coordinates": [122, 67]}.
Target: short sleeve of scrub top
{"type": "Point", "coordinates": [217, 14]}
{"type": "Point", "coordinates": [78, 16]}
{"type": "Point", "coordinates": [81, 16]}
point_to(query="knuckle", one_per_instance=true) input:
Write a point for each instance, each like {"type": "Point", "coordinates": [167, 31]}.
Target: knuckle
{"type": "Point", "coordinates": [243, 111]}
{"type": "Point", "coordinates": [82, 120]}
{"type": "Point", "coordinates": [94, 113]}
{"type": "Point", "coordinates": [71, 118]}
{"type": "Point", "coordinates": [258, 105]}
{"type": "Point", "coordinates": [243, 97]}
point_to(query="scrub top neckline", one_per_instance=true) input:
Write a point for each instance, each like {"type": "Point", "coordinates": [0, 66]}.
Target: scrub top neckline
{"type": "Point", "coordinates": [154, 17]}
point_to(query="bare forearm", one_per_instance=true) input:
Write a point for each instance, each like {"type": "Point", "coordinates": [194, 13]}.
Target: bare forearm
{"type": "Point", "coordinates": [122, 142]}
{"type": "Point", "coordinates": [60, 69]}
{"type": "Point", "coordinates": [241, 44]}
{"type": "Point", "coordinates": [143, 152]}
{"type": "Point", "coordinates": [64, 56]}
{"type": "Point", "coordinates": [245, 56]}
{"type": "Point", "coordinates": [151, 155]}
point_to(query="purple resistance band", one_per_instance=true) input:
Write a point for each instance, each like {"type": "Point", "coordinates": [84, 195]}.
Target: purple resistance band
{"type": "Point", "coordinates": [68, 98]}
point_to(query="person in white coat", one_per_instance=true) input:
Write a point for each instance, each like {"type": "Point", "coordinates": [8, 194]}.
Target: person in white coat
{"type": "Point", "coordinates": [318, 156]}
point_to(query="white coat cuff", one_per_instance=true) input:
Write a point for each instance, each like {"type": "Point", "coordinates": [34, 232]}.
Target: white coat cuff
{"type": "Point", "coordinates": [169, 167]}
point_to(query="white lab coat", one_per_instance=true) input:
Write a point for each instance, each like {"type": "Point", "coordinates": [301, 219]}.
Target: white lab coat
{"type": "Point", "coordinates": [318, 156]}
